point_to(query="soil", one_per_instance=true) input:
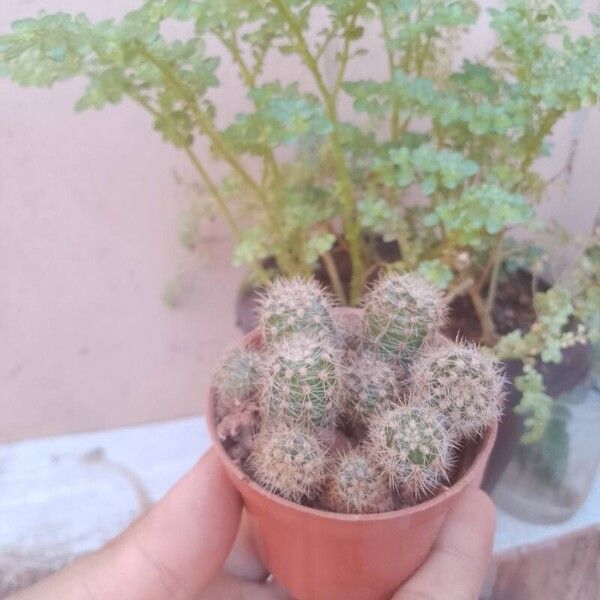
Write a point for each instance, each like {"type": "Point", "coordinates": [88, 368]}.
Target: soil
{"type": "Point", "coordinates": [513, 309]}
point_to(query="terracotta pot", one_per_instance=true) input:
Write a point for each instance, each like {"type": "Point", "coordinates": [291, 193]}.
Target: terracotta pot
{"type": "Point", "coordinates": [319, 555]}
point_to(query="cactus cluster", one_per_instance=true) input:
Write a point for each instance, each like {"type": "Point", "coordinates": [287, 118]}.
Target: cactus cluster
{"type": "Point", "coordinates": [401, 395]}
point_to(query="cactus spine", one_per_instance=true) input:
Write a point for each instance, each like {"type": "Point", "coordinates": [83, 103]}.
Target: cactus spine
{"type": "Point", "coordinates": [289, 461]}
{"type": "Point", "coordinates": [303, 383]}
{"type": "Point", "coordinates": [465, 385]}
{"type": "Point", "coordinates": [400, 311]}
{"type": "Point", "coordinates": [371, 385]}
{"type": "Point", "coordinates": [295, 306]}
{"type": "Point", "coordinates": [355, 485]}
{"type": "Point", "coordinates": [413, 449]}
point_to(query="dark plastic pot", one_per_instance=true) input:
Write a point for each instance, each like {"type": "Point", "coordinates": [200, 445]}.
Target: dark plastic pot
{"type": "Point", "coordinates": [319, 555]}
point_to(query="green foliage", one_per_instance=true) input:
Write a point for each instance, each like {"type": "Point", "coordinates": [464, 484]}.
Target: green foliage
{"type": "Point", "coordinates": [535, 405]}
{"type": "Point", "coordinates": [480, 212]}
{"type": "Point", "coordinates": [462, 141]}
{"type": "Point", "coordinates": [436, 272]}
{"type": "Point", "coordinates": [547, 336]}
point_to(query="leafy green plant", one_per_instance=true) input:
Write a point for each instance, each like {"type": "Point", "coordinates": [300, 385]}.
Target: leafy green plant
{"type": "Point", "coordinates": [462, 140]}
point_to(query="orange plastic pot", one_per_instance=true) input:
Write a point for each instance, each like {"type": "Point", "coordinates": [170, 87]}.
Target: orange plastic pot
{"type": "Point", "coordinates": [319, 555]}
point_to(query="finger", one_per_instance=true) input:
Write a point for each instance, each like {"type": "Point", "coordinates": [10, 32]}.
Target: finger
{"type": "Point", "coordinates": [457, 565]}
{"type": "Point", "coordinates": [243, 560]}
{"type": "Point", "coordinates": [227, 587]}
{"type": "Point", "coordinates": [183, 541]}
{"type": "Point", "coordinates": [171, 552]}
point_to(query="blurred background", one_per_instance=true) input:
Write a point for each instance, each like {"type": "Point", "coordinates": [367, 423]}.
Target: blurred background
{"type": "Point", "coordinates": [118, 297]}
{"type": "Point", "coordinates": [93, 205]}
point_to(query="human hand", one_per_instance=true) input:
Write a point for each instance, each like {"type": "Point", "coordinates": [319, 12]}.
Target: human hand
{"type": "Point", "coordinates": [195, 545]}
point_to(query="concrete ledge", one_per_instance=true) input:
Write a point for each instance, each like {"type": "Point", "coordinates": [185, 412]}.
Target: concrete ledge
{"type": "Point", "coordinates": [63, 496]}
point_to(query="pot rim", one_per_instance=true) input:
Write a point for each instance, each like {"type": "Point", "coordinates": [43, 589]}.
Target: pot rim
{"type": "Point", "coordinates": [483, 451]}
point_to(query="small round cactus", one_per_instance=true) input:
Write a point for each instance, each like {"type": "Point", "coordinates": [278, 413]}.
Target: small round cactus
{"type": "Point", "coordinates": [462, 383]}
{"type": "Point", "coordinates": [239, 374]}
{"type": "Point", "coordinates": [302, 386]}
{"type": "Point", "coordinates": [289, 461]}
{"type": "Point", "coordinates": [370, 385]}
{"type": "Point", "coordinates": [413, 448]}
{"type": "Point", "coordinates": [355, 485]}
{"type": "Point", "coordinates": [295, 305]}
{"type": "Point", "coordinates": [400, 311]}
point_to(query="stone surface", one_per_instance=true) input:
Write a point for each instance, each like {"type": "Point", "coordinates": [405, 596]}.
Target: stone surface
{"type": "Point", "coordinates": [63, 496]}
{"type": "Point", "coordinates": [91, 213]}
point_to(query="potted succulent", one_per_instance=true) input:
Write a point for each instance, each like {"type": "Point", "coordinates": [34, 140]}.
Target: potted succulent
{"type": "Point", "coordinates": [350, 433]}
{"type": "Point", "coordinates": [429, 167]}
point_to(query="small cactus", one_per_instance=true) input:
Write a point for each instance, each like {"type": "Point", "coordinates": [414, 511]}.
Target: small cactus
{"type": "Point", "coordinates": [461, 382]}
{"type": "Point", "coordinates": [370, 385]}
{"type": "Point", "coordinates": [239, 374]}
{"type": "Point", "coordinates": [354, 411]}
{"type": "Point", "coordinates": [288, 461]}
{"type": "Point", "coordinates": [413, 448]}
{"type": "Point", "coordinates": [355, 485]}
{"type": "Point", "coordinates": [303, 383]}
{"type": "Point", "coordinates": [400, 311]}
{"type": "Point", "coordinates": [295, 305]}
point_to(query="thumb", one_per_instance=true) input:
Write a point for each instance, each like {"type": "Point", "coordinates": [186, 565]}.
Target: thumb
{"type": "Point", "coordinates": [457, 565]}
{"type": "Point", "coordinates": [171, 552]}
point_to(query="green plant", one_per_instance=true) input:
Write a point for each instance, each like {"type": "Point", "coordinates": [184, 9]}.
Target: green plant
{"type": "Point", "coordinates": [464, 140]}
{"type": "Point", "coordinates": [317, 390]}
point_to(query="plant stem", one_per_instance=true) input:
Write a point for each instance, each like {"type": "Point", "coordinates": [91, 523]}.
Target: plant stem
{"type": "Point", "coordinates": [334, 277]}
{"type": "Point", "coordinates": [458, 289]}
{"type": "Point", "coordinates": [496, 258]}
{"type": "Point", "coordinates": [488, 329]}
{"type": "Point", "coordinates": [547, 122]}
{"type": "Point", "coordinates": [208, 182]}
{"type": "Point", "coordinates": [214, 190]}
{"type": "Point", "coordinates": [395, 117]}
{"type": "Point", "coordinates": [483, 309]}
{"type": "Point", "coordinates": [351, 224]}
{"type": "Point", "coordinates": [205, 124]}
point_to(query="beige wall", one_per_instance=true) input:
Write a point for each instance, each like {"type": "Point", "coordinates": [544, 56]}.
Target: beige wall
{"type": "Point", "coordinates": [89, 238]}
